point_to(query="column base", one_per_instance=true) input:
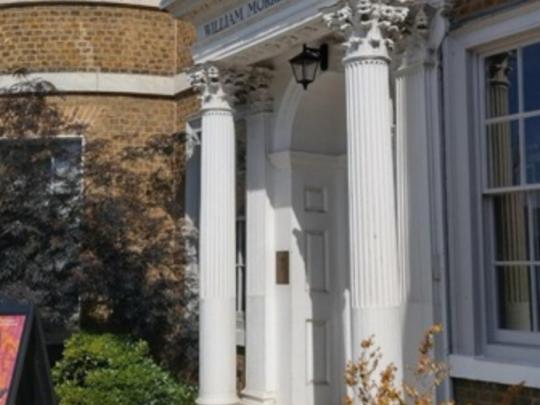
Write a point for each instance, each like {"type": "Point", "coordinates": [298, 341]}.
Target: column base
{"type": "Point", "coordinates": [218, 401]}
{"type": "Point", "coordinates": [257, 397]}
{"type": "Point", "coordinates": [386, 324]}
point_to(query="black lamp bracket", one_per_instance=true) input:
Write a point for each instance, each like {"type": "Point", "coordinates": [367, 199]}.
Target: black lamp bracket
{"type": "Point", "coordinates": [322, 53]}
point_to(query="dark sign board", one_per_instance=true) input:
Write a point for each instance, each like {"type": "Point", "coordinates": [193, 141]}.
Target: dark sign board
{"type": "Point", "coordinates": [24, 366]}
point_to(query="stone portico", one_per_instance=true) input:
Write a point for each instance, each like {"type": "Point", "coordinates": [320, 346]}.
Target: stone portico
{"type": "Point", "coordinates": [332, 230]}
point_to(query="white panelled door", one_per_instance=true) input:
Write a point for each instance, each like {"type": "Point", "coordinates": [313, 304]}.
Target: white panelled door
{"type": "Point", "coordinates": [317, 280]}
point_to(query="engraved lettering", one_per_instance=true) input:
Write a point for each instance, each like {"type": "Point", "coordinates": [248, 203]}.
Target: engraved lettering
{"type": "Point", "coordinates": [236, 16]}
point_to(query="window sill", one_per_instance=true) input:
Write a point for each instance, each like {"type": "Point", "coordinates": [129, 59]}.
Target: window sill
{"type": "Point", "coordinates": [480, 369]}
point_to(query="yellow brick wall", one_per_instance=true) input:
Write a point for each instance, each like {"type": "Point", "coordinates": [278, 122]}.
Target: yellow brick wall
{"type": "Point", "coordinates": [484, 393]}
{"type": "Point", "coordinates": [469, 8]}
{"type": "Point", "coordinates": [116, 125]}
{"type": "Point", "coordinates": [92, 38]}
{"type": "Point", "coordinates": [81, 37]}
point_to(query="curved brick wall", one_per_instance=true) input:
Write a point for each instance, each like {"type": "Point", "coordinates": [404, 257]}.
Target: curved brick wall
{"type": "Point", "coordinates": [127, 118]}
{"type": "Point", "coordinates": [92, 38]}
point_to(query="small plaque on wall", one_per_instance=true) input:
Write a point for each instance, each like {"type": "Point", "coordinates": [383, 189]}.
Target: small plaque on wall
{"type": "Point", "coordinates": [282, 268]}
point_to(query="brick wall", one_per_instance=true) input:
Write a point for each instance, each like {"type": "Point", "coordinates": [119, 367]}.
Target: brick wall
{"type": "Point", "coordinates": [148, 188]}
{"type": "Point", "coordinates": [482, 393]}
{"type": "Point", "coordinates": [134, 117]}
{"type": "Point", "coordinates": [126, 130]}
{"type": "Point", "coordinates": [92, 38]}
{"type": "Point", "coordinates": [470, 8]}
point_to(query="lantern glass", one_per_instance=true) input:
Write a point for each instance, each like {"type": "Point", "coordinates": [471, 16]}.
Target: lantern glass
{"type": "Point", "coordinates": [305, 66]}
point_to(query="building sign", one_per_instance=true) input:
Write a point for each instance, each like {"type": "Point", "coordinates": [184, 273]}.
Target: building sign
{"type": "Point", "coordinates": [11, 333]}
{"type": "Point", "coordinates": [236, 16]}
{"type": "Point", "coordinates": [24, 366]}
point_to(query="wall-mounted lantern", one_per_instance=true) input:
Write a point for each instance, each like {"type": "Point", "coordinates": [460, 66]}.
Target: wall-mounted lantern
{"type": "Point", "coordinates": [305, 65]}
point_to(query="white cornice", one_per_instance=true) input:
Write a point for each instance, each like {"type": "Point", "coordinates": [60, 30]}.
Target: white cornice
{"type": "Point", "coordinates": [140, 3]}
{"type": "Point", "coordinates": [110, 83]}
{"type": "Point", "coordinates": [194, 10]}
{"type": "Point", "coordinates": [179, 8]}
{"type": "Point", "coordinates": [289, 25]}
{"type": "Point", "coordinates": [499, 26]}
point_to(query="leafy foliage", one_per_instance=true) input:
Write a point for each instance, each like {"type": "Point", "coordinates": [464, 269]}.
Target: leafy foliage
{"type": "Point", "coordinates": [108, 248]}
{"type": "Point", "coordinates": [39, 229]}
{"type": "Point", "coordinates": [111, 370]}
{"type": "Point", "coordinates": [26, 113]}
{"type": "Point", "coordinates": [372, 384]}
{"type": "Point", "coordinates": [133, 246]}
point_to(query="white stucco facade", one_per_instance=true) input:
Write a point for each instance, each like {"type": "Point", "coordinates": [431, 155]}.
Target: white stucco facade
{"type": "Point", "coordinates": [347, 207]}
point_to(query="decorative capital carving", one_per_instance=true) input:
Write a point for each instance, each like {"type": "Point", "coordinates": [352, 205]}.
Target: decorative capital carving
{"type": "Point", "coordinates": [259, 96]}
{"type": "Point", "coordinates": [218, 86]}
{"type": "Point", "coordinates": [499, 69]}
{"type": "Point", "coordinates": [370, 27]}
{"type": "Point", "coordinates": [415, 47]}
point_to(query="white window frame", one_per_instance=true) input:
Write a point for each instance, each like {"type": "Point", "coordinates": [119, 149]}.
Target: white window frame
{"type": "Point", "coordinates": [472, 355]}
{"type": "Point", "coordinates": [61, 137]}
{"type": "Point", "coordinates": [506, 336]}
{"type": "Point", "coordinates": [193, 171]}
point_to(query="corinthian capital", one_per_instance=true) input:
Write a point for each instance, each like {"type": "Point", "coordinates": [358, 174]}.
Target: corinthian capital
{"type": "Point", "coordinates": [370, 27]}
{"type": "Point", "coordinates": [415, 48]}
{"type": "Point", "coordinates": [217, 86]}
{"type": "Point", "coordinates": [259, 96]}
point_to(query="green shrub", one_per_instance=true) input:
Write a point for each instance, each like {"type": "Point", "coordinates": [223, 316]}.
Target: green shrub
{"type": "Point", "coordinates": [107, 369]}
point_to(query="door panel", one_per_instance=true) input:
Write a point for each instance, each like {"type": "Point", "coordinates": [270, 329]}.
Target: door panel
{"type": "Point", "coordinates": [317, 261]}
{"type": "Point", "coordinates": [316, 285]}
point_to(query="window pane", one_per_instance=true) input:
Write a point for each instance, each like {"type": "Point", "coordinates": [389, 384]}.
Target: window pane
{"type": "Point", "coordinates": [534, 201]}
{"type": "Point", "coordinates": [514, 288]}
{"type": "Point", "coordinates": [503, 154]}
{"type": "Point", "coordinates": [511, 228]}
{"type": "Point", "coordinates": [502, 84]}
{"type": "Point", "coordinates": [536, 297]}
{"type": "Point", "coordinates": [531, 67]}
{"type": "Point", "coordinates": [66, 167]}
{"type": "Point", "coordinates": [532, 149]}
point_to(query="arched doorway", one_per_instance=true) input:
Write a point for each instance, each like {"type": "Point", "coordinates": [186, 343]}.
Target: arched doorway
{"type": "Point", "coordinates": [317, 338]}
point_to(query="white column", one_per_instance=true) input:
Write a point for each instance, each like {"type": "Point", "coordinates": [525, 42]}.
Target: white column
{"type": "Point", "coordinates": [260, 332]}
{"type": "Point", "coordinates": [217, 313]}
{"type": "Point", "coordinates": [376, 281]}
{"type": "Point", "coordinates": [419, 175]}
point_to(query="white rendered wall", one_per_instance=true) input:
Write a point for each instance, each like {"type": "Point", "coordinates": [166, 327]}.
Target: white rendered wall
{"type": "Point", "coordinates": [320, 122]}
{"type": "Point", "coordinates": [261, 351]}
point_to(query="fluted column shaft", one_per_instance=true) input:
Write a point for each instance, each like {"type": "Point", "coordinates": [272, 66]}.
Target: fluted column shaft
{"type": "Point", "coordinates": [217, 339]}
{"type": "Point", "coordinates": [420, 238]}
{"type": "Point", "coordinates": [217, 311]}
{"type": "Point", "coordinates": [370, 28]}
{"type": "Point", "coordinates": [376, 283]}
